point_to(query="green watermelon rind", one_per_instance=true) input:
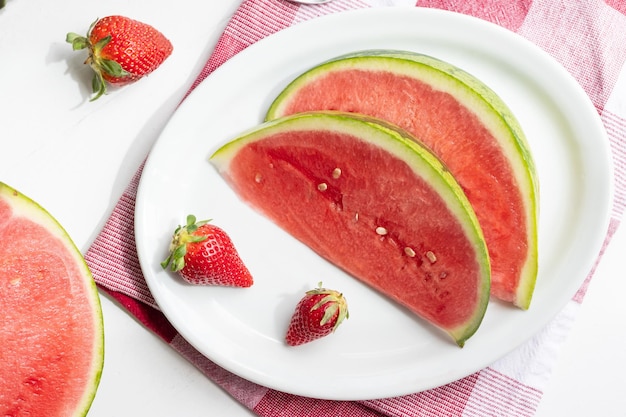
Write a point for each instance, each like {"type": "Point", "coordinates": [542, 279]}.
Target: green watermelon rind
{"type": "Point", "coordinates": [516, 149]}
{"type": "Point", "coordinates": [404, 146]}
{"type": "Point", "coordinates": [482, 100]}
{"type": "Point", "coordinates": [23, 206]}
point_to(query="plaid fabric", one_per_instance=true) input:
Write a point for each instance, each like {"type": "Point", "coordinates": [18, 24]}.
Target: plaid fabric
{"type": "Point", "coordinates": [588, 37]}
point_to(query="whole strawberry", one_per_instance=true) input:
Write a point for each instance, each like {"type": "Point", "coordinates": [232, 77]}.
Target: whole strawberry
{"type": "Point", "coordinates": [121, 50]}
{"type": "Point", "coordinates": [204, 254]}
{"type": "Point", "coordinates": [318, 314]}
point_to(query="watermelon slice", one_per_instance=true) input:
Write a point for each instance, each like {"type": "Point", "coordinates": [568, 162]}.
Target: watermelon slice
{"type": "Point", "coordinates": [374, 203]}
{"type": "Point", "coordinates": [464, 123]}
{"type": "Point", "coordinates": [51, 331]}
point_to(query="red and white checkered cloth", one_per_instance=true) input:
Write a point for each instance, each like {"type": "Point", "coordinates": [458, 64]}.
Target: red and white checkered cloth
{"type": "Point", "coordinates": [588, 37]}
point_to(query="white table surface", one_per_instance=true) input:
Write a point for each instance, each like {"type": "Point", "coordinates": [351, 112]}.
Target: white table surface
{"type": "Point", "coordinates": [76, 157]}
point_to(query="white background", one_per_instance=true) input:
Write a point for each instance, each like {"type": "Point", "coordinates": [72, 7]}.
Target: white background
{"type": "Point", "coordinates": [75, 158]}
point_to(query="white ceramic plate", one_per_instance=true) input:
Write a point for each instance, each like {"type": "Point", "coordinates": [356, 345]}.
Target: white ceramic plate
{"type": "Point", "coordinates": [381, 350]}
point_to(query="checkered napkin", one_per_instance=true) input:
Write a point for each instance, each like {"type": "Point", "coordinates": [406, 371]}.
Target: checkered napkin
{"type": "Point", "coordinates": [588, 37]}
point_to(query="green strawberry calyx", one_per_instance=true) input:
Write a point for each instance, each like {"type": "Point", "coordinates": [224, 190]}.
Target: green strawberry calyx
{"type": "Point", "coordinates": [95, 60]}
{"type": "Point", "coordinates": [183, 235]}
{"type": "Point", "coordinates": [337, 305]}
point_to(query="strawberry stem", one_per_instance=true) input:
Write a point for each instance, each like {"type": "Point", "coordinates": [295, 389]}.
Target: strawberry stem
{"type": "Point", "coordinates": [94, 60]}
{"type": "Point", "coordinates": [337, 303]}
{"type": "Point", "coordinates": [183, 235]}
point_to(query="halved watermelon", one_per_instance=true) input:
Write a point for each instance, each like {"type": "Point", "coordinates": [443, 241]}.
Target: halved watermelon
{"type": "Point", "coordinates": [375, 203]}
{"type": "Point", "coordinates": [463, 122]}
{"type": "Point", "coordinates": [51, 330]}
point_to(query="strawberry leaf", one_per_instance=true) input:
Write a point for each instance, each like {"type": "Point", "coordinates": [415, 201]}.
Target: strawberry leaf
{"type": "Point", "coordinates": [91, 26]}
{"type": "Point", "coordinates": [113, 68]}
{"type": "Point", "coordinates": [98, 86]}
{"type": "Point", "coordinates": [166, 262]}
{"type": "Point", "coordinates": [180, 252]}
{"type": "Point", "coordinates": [183, 235]}
{"type": "Point", "coordinates": [337, 303]}
{"type": "Point", "coordinates": [78, 42]}
{"type": "Point", "coordinates": [178, 258]}
{"type": "Point", "coordinates": [192, 225]}
{"type": "Point", "coordinates": [102, 43]}
{"type": "Point", "coordinates": [329, 313]}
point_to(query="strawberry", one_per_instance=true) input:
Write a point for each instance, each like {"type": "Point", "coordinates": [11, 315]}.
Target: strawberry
{"type": "Point", "coordinates": [204, 254]}
{"type": "Point", "coordinates": [318, 314]}
{"type": "Point", "coordinates": [121, 50]}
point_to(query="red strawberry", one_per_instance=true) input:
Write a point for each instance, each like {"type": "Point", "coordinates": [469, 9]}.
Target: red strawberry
{"type": "Point", "coordinates": [318, 314]}
{"type": "Point", "coordinates": [121, 50]}
{"type": "Point", "coordinates": [204, 254]}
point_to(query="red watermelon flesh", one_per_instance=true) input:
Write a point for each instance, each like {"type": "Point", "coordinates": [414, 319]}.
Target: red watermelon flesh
{"type": "Point", "coordinates": [464, 123]}
{"type": "Point", "coordinates": [371, 204]}
{"type": "Point", "coordinates": [51, 333]}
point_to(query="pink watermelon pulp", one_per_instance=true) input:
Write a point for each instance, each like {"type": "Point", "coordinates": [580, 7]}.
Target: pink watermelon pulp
{"type": "Point", "coordinates": [51, 333]}
{"type": "Point", "coordinates": [373, 203]}
{"type": "Point", "coordinates": [464, 123]}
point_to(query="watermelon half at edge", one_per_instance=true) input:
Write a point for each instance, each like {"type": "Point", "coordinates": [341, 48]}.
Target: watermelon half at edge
{"type": "Point", "coordinates": [464, 123]}
{"type": "Point", "coordinates": [51, 329]}
{"type": "Point", "coordinates": [374, 203]}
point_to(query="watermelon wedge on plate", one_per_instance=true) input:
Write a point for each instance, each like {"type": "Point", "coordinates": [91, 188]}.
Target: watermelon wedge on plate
{"type": "Point", "coordinates": [370, 199]}
{"type": "Point", "coordinates": [464, 123]}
